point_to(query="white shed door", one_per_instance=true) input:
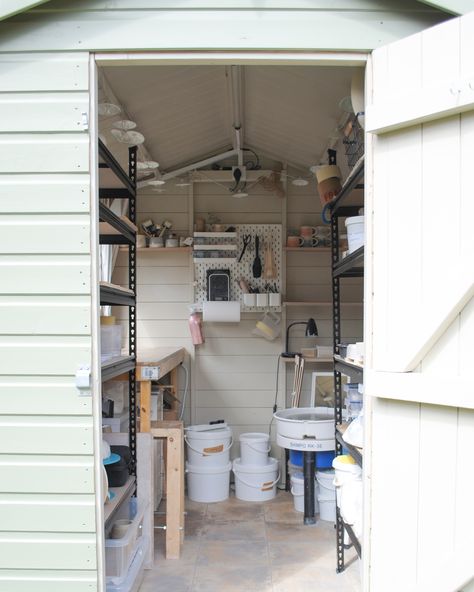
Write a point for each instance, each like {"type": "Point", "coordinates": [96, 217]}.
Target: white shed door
{"type": "Point", "coordinates": [419, 312]}
{"type": "Point", "coordinates": [420, 215]}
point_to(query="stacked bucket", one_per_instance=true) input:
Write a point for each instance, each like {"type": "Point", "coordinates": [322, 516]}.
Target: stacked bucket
{"type": "Point", "coordinates": [208, 462]}
{"type": "Point", "coordinates": [256, 474]}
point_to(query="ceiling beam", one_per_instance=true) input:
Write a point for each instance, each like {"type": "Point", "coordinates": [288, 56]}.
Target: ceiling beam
{"type": "Point", "coordinates": [199, 164]}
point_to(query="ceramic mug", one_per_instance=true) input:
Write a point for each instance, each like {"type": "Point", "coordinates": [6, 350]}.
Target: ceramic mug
{"type": "Point", "coordinates": [200, 225]}
{"type": "Point", "coordinates": [312, 241]}
{"type": "Point", "coordinates": [308, 231]}
{"type": "Point", "coordinates": [120, 528]}
{"type": "Point", "coordinates": [294, 241]}
{"type": "Point", "coordinates": [218, 228]}
{"type": "Point", "coordinates": [155, 242]}
{"type": "Point", "coordinates": [172, 242]}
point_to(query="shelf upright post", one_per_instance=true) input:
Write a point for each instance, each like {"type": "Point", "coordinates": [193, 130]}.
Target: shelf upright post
{"type": "Point", "coordinates": [132, 336]}
{"type": "Point", "coordinates": [336, 320]}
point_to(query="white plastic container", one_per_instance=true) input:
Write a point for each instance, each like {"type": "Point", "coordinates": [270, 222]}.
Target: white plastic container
{"type": "Point", "coordinates": [110, 339]}
{"type": "Point", "coordinates": [119, 553]}
{"type": "Point", "coordinates": [327, 508]}
{"type": "Point", "coordinates": [344, 472]}
{"type": "Point", "coordinates": [208, 446]}
{"type": "Point", "coordinates": [208, 484]}
{"type": "Point", "coordinates": [355, 232]}
{"type": "Point", "coordinates": [325, 481]}
{"type": "Point", "coordinates": [254, 448]}
{"type": "Point", "coordinates": [297, 489]}
{"type": "Point", "coordinates": [256, 484]}
{"type": "Point", "coordinates": [134, 575]}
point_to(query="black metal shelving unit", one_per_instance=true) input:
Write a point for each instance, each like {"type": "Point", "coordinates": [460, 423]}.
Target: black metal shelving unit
{"type": "Point", "coordinates": [350, 266]}
{"type": "Point", "coordinates": [114, 295]}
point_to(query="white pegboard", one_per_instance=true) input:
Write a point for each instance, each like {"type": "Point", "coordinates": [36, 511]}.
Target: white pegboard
{"type": "Point", "coordinates": [268, 233]}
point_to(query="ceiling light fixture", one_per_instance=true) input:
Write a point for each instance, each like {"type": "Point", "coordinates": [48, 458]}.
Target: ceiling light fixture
{"type": "Point", "coordinates": [108, 109]}
{"type": "Point", "coordinates": [156, 182]}
{"type": "Point", "coordinates": [124, 125]}
{"type": "Point", "coordinates": [300, 182]}
{"type": "Point", "coordinates": [147, 165]}
{"type": "Point", "coordinates": [131, 138]}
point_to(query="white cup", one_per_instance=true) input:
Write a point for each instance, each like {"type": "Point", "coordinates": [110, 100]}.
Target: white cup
{"type": "Point", "coordinates": [250, 299]}
{"type": "Point", "coordinates": [120, 528]}
{"type": "Point", "coordinates": [262, 299]}
{"type": "Point", "coordinates": [156, 242]}
{"type": "Point", "coordinates": [274, 299]}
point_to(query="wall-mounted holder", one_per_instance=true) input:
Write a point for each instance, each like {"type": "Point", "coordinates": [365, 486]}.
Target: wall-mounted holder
{"type": "Point", "coordinates": [269, 234]}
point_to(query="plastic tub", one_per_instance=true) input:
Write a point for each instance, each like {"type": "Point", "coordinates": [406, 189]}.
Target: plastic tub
{"type": "Point", "coordinates": [355, 232]}
{"type": "Point", "coordinates": [297, 490]}
{"type": "Point", "coordinates": [256, 484]}
{"type": "Point", "coordinates": [119, 553]}
{"type": "Point", "coordinates": [327, 508]}
{"type": "Point", "coordinates": [346, 469]}
{"type": "Point", "coordinates": [325, 481]}
{"type": "Point", "coordinates": [110, 339]}
{"type": "Point", "coordinates": [134, 575]}
{"type": "Point", "coordinates": [323, 459]}
{"type": "Point", "coordinates": [208, 484]}
{"type": "Point", "coordinates": [254, 448]}
{"type": "Point", "coordinates": [208, 446]}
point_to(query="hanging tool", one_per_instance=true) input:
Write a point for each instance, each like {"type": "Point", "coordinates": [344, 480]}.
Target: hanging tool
{"type": "Point", "coordinates": [257, 263]}
{"type": "Point", "coordinates": [246, 239]}
{"type": "Point", "coordinates": [269, 269]}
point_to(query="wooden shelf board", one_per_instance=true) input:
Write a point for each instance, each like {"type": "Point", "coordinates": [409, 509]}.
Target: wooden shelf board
{"type": "Point", "coordinates": [116, 287]}
{"type": "Point", "coordinates": [309, 249]}
{"type": "Point", "coordinates": [308, 360]}
{"type": "Point", "coordinates": [314, 303]}
{"type": "Point", "coordinates": [121, 493]}
{"type": "Point", "coordinates": [215, 235]}
{"type": "Point", "coordinates": [160, 249]}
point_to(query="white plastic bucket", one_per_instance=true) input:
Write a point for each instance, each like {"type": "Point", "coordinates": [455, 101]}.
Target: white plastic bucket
{"type": "Point", "coordinates": [327, 508]}
{"type": "Point", "coordinates": [297, 489]}
{"type": "Point", "coordinates": [208, 484]}
{"type": "Point", "coordinates": [254, 483]}
{"type": "Point", "coordinates": [208, 447]}
{"type": "Point", "coordinates": [325, 481]}
{"type": "Point", "coordinates": [344, 472]}
{"type": "Point", "coordinates": [355, 232]}
{"type": "Point", "coordinates": [254, 448]}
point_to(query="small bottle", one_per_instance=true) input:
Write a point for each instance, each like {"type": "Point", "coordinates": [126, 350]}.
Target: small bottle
{"type": "Point", "coordinates": [195, 326]}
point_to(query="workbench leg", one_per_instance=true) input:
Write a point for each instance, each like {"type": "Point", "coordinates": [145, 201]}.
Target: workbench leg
{"type": "Point", "coordinates": [175, 391]}
{"type": "Point", "coordinates": [145, 406]}
{"type": "Point", "coordinates": [174, 494]}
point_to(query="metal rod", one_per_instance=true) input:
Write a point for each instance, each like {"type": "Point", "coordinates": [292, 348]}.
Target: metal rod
{"type": "Point", "coordinates": [308, 473]}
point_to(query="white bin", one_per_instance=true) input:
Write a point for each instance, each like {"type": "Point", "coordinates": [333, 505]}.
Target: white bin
{"type": "Point", "coordinates": [208, 484]}
{"type": "Point", "coordinates": [355, 232]}
{"type": "Point", "coordinates": [297, 489]}
{"type": "Point", "coordinates": [327, 508]}
{"type": "Point", "coordinates": [208, 446]}
{"type": "Point", "coordinates": [344, 472]}
{"type": "Point", "coordinates": [254, 448]}
{"type": "Point", "coordinates": [256, 484]}
{"type": "Point", "coordinates": [325, 481]}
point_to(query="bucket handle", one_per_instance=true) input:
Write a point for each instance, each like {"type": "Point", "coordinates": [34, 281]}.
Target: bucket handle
{"type": "Point", "coordinates": [208, 453]}
{"type": "Point", "coordinates": [269, 485]}
{"type": "Point", "coordinates": [337, 482]}
{"type": "Point", "coordinates": [256, 449]}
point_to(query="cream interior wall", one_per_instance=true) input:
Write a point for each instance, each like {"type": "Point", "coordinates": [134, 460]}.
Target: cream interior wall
{"type": "Point", "coordinates": [234, 372]}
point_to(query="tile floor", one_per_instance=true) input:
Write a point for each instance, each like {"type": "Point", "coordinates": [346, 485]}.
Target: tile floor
{"type": "Point", "coordinates": [251, 547]}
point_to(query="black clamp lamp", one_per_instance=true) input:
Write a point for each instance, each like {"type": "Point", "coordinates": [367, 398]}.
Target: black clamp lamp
{"type": "Point", "coordinates": [311, 331]}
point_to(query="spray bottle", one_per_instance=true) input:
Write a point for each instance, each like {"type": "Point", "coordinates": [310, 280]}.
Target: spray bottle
{"type": "Point", "coordinates": [195, 325]}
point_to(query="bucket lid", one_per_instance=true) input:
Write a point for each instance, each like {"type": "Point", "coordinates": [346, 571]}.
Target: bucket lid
{"type": "Point", "coordinates": [208, 470]}
{"type": "Point", "coordinates": [345, 462]}
{"type": "Point", "coordinates": [110, 460]}
{"type": "Point", "coordinates": [208, 432]}
{"type": "Point", "coordinates": [354, 220]}
{"type": "Point", "coordinates": [255, 436]}
{"type": "Point", "coordinates": [271, 467]}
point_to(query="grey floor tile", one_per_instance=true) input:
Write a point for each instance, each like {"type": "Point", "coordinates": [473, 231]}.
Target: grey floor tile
{"type": "Point", "coordinates": [232, 578]}
{"type": "Point", "coordinates": [235, 531]}
{"type": "Point", "coordinates": [233, 554]}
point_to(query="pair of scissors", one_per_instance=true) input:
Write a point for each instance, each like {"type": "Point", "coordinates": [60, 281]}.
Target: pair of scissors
{"type": "Point", "coordinates": [246, 238]}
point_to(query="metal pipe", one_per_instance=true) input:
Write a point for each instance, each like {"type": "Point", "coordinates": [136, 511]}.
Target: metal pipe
{"type": "Point", "coordinates": [308, 474]}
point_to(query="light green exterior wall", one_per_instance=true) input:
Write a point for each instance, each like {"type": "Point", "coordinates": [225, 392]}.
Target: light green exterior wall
{"type": "Point", "coordinates": [48, 537]}
{"type": "Point", "coordinates": [47, 491]}
{"type": "Point", "coordinates": [327, 25]}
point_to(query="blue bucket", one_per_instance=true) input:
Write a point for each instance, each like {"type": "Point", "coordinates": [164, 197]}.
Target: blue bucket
{"type": "Point", "coordinates": [323, 459]}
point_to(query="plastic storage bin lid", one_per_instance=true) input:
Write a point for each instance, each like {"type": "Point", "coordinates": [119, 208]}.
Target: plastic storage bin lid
{"type": "Point", "coordinates": [110, 460]}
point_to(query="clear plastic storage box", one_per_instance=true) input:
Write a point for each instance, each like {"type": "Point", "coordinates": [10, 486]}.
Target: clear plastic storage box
{"type": "Point", "coordinates": [119, 553]}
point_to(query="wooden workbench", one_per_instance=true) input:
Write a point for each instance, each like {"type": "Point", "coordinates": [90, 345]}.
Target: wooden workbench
{"type": "Point", "coordinates": [153, 365]}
